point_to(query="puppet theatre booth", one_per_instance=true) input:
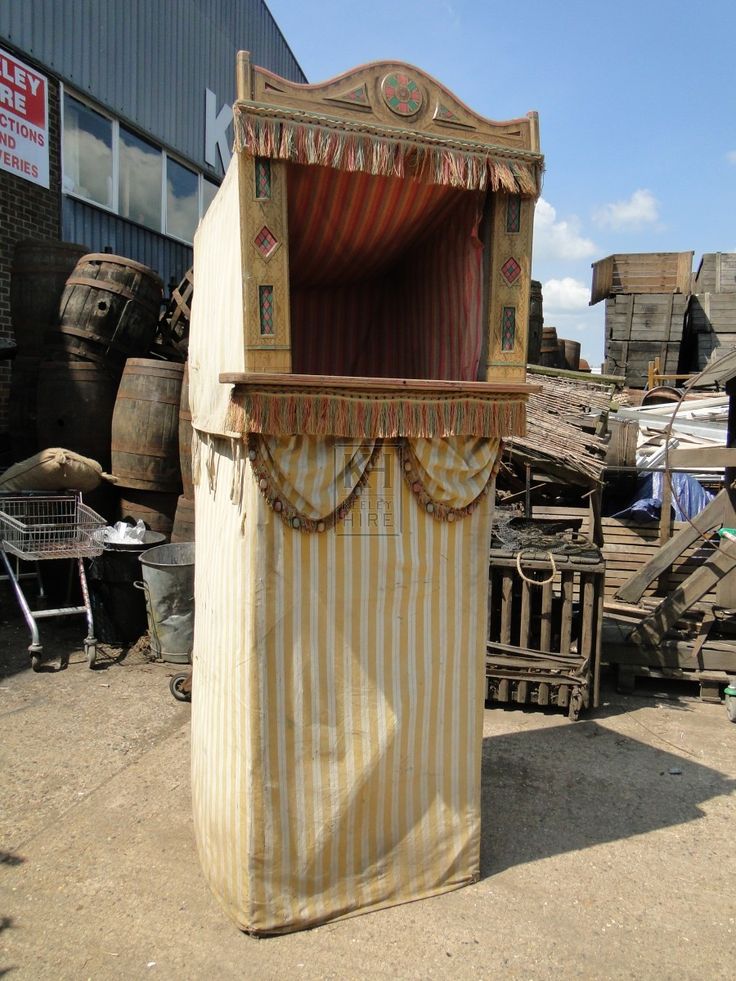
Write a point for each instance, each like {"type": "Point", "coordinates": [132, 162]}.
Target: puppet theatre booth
{"type": "Point", "coordinates": [357, 353]}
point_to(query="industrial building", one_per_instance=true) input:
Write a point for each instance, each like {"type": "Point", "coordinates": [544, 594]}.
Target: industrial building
{"type": "Point", "coordinates": [115, 125]}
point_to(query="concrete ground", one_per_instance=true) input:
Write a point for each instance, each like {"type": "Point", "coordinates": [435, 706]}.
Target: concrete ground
{"type": "Point", "coordinates": [608, 844]}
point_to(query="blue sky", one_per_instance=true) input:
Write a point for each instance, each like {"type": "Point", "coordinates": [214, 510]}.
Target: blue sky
{"type": "Point", "coordinates": [637, 107]}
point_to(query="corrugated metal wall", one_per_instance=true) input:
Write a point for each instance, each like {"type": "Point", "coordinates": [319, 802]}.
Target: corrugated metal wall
{"type": "Point", "coordinates": [150, 61]}
{"type": "Point", "coordinates": [99, 230]}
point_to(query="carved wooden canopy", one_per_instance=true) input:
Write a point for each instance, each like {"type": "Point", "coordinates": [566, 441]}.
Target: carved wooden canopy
{"type": "Point", "coordinates": [385, 118]}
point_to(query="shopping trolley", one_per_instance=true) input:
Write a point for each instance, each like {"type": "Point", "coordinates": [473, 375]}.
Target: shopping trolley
{"type": "Point", "coordinates": [36, 526]}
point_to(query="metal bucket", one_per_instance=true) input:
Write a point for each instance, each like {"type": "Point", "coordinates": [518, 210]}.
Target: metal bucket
{"type": "Point", "coordinates": [168, 582]}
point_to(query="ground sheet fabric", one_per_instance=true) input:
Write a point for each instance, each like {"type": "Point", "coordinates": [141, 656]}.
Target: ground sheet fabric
{"type": "Point", "coordinates": [338, 692]}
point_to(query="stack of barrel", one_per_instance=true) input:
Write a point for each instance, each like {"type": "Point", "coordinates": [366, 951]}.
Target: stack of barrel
{"type": "Point", "coordinates": [38, 275]}
{"type": "Point", "coordinates": [84, 380]}
{"type": "Point", "coordinates": [558, 352]}
{"type": "Point", "coordinates": [183, 530]}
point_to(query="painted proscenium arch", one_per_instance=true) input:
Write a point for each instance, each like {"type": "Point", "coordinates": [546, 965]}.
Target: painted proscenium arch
{"type": "Point", "coordinates": [391, 122]}
{"type": "Point", "coordinates": [398, 102]}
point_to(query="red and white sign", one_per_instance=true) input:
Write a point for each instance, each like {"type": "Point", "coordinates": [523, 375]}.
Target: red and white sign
{"type": "Point", "coordinates": [24, 121]}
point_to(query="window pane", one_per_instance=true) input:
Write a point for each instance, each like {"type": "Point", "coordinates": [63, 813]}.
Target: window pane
{"type": "Point", "coordinates": [209, 190]}
{"type": "Point", "coordinates": [182, 204]}
{"type": "Point", "coordinates": [139, 195]}
{"type": "Point", "coordinates": [87, 152]}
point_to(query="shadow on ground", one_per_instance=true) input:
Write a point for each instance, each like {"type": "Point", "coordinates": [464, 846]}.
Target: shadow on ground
{"type": "Point", "coordinates": [551, 790]}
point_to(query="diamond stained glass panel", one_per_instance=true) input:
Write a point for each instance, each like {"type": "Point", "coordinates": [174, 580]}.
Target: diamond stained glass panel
{"type": "Point", "coordinates": [263, 178]}
{"type": "Point", "coordinates": [511, 270]}
{"type": "Point", "coordinates": [508, 328]}
{"type": "Point", "coordinates": [265, 302]}
{"type": "Point", "coordinates": [513, 213]}
{"type": "Point", "coordinates": [265, 242]}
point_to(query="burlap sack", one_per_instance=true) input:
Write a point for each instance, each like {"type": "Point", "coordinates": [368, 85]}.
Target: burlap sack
{"type": "Point", "coordinates": [54, 469]}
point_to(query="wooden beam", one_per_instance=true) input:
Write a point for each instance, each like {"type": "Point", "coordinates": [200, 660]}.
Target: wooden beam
{"type": "Point", "coordinates": [702, 456]}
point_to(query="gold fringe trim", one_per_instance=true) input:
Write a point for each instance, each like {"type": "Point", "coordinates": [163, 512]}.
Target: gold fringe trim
{"type": "Point", "coordinates": [374, 416]}
{"type": "Point", "coordinates": [326, 142]}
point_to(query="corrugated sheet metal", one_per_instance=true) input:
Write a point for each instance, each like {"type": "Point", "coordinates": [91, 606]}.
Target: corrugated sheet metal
{"type": "Point", "coordinates": [150, 61]}
{"type": "Point", "coordinates": [100, 230]}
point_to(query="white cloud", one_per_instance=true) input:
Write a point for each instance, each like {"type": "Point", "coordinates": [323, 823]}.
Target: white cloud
{"type": "Point", "coordinates": [640, 209]}
{"type": "Point", "coordinates": [565, 294]}
{"type": "Point", "coordinates": [555, 239]}
{"type": "Point", "coordinates": [731, 156]}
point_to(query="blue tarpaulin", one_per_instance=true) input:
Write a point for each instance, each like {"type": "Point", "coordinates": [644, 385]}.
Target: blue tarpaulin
{"type": "Point", "coordinates": [689, 497]}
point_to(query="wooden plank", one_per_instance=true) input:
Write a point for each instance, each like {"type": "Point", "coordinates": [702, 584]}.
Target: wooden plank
{"type": "Point", "coordinates": [566, 616]}
{"type": "Point", "coordinates": [506, 599]}
{"type": "Point", "coordinates": [546, 625]}
{"type": "Point", "coordinates": [525, 614]}
{"type": "Point", "coordinates": [702, 456]}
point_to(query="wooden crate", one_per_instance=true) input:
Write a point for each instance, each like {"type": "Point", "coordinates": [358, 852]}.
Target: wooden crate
{"type": "Point", "coordinates": [712, 312]}
{"type": "Point", "coordinates": [544, 640]}
{"type": "Point", "coordinates": [703, 348]}
{"type": "Point", "coordinates": [640, 328]}
{"type": "Point", "coordinates": [631, 359]}
{"type": "Point", "coordinates": [716, 273]}
{"type": "Point", "coordinates": [652, 317]}
{"type": "Point", "coordinates": [642, 272]}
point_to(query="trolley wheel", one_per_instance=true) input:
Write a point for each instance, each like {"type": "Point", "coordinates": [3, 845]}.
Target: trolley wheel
{"type": "Point", "coordinates": [178, 689]}
{"type": "Point", "coordinates": [731, 707]}
{"type": "Point", "coordinates": [90, 650]}
{"type": "Point", "coordinates": [36, 662]}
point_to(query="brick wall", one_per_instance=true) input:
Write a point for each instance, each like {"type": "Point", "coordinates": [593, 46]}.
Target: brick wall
{"type": "Point", "coordinates": [26, 211]}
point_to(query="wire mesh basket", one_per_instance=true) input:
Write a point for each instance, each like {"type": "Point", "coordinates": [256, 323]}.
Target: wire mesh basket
{"type": "Point", "coordinates": [49, 526]}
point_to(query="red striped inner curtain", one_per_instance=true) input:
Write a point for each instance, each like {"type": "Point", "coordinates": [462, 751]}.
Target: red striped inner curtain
{"type": "Point", "coordinates": [386, 276]}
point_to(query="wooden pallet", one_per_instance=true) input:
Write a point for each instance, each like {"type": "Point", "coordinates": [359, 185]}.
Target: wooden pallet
{"type": "Point", "coordinates": [710, 683]}
{"type": "Point", "coordinates": [687, 653]}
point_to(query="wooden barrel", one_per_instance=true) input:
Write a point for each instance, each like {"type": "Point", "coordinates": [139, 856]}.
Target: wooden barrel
{"type": "Point", "coordinates": [38, 275]}
{"type": "Point", "coordinates": [22, 407]}
{"type": "Point", "coordinates": [185, 439]}
{"type": "Point", "coordinates": [661, 395]}
{"type": "Point", "coordinates": [183, 530]}
{"type": "Point", "coordinates": [74, 407]}
{"type": "Point", "coordinates": [536, 321]}
{"type": "Point", "coordinates": [550, 352]}
{"type": "Point", "coordinates": [572, 354]}
{"type": "Point", "coordinates": [109, 309]}
{"type": "Point", "coordinates": [156, 509]}
{"type": "Point", "coordinates": [145, 426]}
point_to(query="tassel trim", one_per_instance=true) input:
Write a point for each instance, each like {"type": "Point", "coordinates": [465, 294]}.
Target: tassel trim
{"type": "Point", "coordinates": [327, 142]}
{"type": "Point", "coordinates": [372, 416]}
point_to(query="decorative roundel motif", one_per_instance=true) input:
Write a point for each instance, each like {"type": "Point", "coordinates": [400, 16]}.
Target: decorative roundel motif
{"type": "Point", "coordinates": [401, 94]}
